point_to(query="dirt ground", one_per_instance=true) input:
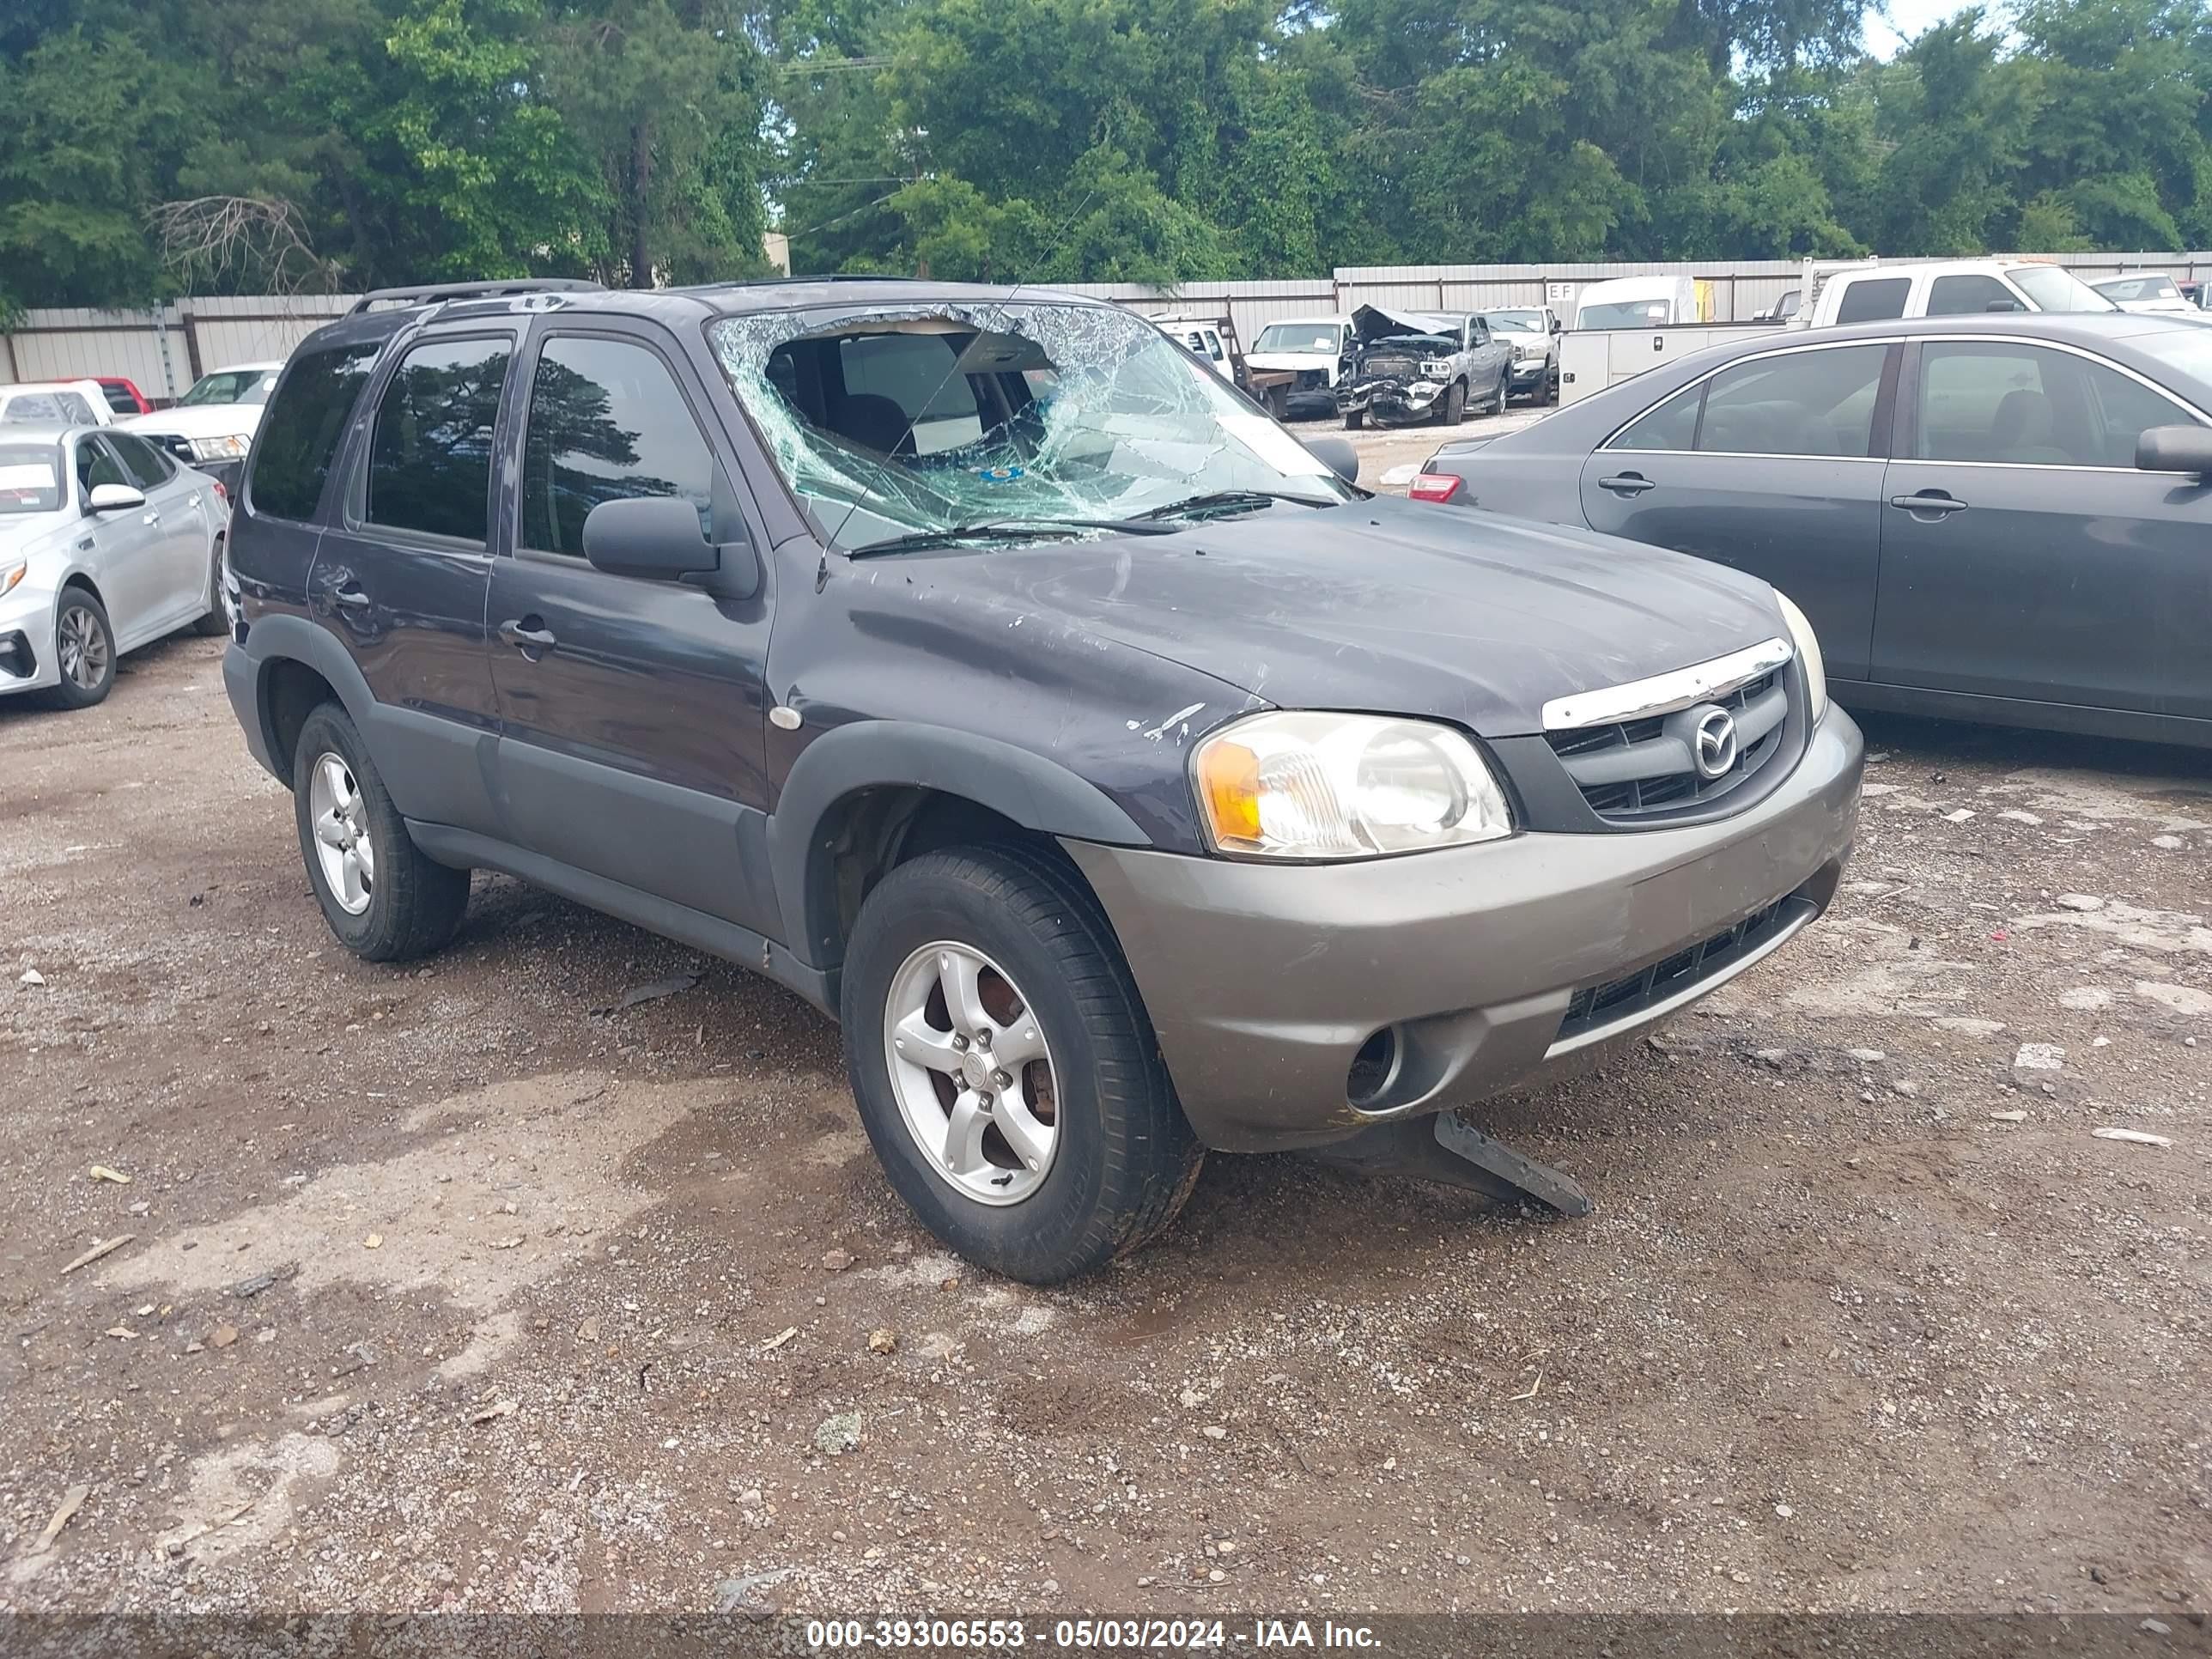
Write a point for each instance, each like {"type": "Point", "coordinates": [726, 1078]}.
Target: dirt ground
{"type": "Point", "coordinates": [448, 1287]}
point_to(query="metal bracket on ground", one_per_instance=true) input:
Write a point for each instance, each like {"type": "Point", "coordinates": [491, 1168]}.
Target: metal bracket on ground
{"type": "Point", "coordinates": [1448, 1150]}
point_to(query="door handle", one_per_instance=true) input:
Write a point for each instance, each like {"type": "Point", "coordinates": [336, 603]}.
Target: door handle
{"type": "Point", "coordinates": [1934, 500]}
{"type": "Point", "coordinates": [1626, 484]}
{"type": "Point", "coordinates": [351, 596]}
{"type": "Point", "coordinates": [527, 640]}
{"type": "Point", "coordinates": [151, 518]}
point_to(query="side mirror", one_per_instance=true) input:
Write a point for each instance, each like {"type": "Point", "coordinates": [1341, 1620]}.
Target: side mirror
{"type": "Point", "coordinates": [2175, 449]}
{"type": "Point", "coordinates": [114, 498]}
{"type": "Point", "coordinates": [1342, 458]}
{"type": "Point", "coordinates": [658, 538]}
{"type": "Point", "coordinates": [2004, 305]}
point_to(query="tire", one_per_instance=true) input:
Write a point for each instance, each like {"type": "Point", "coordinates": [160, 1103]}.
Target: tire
{"type": "Point", "coordinates": [1279, 402]}
{"type": "Point", "coordinates": [1356, 419]}
{"type": "Point", "coordinates": [1453, 409]}
{"type": "Point", "coordinates": [409, 905]}
{"type": "Point", "coordinates": [84, 651]}
{"type": "Point", "coordinates": [216, 623]}
{"type": "Point", "coordinates": [1121, 1157]}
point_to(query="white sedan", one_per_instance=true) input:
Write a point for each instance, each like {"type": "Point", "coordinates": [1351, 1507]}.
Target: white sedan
{"type": "Point", "coordinates": [214, 421]}
{"type": "Point", "coordinates": [107, 544]}
{"type": "Point", "coordinates": [2146, 291]}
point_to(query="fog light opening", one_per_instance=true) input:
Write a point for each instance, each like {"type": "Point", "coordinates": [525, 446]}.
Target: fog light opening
{"type": "Point", "coordinates": [1374, 1069]}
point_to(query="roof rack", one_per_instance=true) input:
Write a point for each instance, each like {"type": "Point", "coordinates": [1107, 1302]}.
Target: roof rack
{"type": "Point", "coordinates": [431, 293]}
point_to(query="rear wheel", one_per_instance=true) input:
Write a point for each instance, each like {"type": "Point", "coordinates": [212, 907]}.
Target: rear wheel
{"type": "Point", "coordinates": [1355, 419]}
{"type": "Point", "coordinates": [1003, 1066]}
{"type": "Point", "coordinates": [384, 900]}
{"type": "Point", "coordinates": [84, 651]}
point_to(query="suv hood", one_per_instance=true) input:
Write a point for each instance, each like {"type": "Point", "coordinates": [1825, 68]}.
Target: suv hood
{"type": "Point", "coordinates": [1383, 606]}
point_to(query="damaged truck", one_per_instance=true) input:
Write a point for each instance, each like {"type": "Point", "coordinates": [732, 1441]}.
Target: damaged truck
{"type": "Point", "coordinates": [1404, 367]}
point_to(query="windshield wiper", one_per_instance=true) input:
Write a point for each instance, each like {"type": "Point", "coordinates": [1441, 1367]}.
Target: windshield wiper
{"type": "Point", "coordinates": [997, 530]}
{"type": "Point", "coordinates": [1225, 500]}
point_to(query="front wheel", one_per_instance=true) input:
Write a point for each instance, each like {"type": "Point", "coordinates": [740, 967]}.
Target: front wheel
{"type": "Point", "coordinates": [1453, 409]}
{"type": "Point", "coordinates": [1004, 1068]}
{"type": "Point", "coordinates": [382, 897]}
{"type": "Point", "coordinates": [1354, 419]}
{"type": "Point", "coordinates": [84, 651]}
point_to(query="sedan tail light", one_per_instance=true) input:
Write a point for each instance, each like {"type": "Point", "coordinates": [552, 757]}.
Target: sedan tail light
{"type": "Point", "coordinates": [1435, 487]}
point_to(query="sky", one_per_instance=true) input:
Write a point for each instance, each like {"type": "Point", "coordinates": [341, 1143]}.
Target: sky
{"type": "Point", "coordinates": [1906, 19]}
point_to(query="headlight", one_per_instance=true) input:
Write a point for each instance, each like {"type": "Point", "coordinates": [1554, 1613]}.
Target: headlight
{"type": "Point", "coordinates": [1310, 786]}
{"type": "Point", "coordinates": [1437, 371]}
{"type": "Point", "coordinates": [1809, 653]}
{"type": "Point", "coordinates": [12, 573]}
{"type": "Point", "coordinates": [229, 449]}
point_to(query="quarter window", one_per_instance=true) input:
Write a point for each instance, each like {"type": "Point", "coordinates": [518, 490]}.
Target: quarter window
{"type": "Point", "coordinates": [606, 421]}
{"type": "Point", "coordinates": [1803, 402]}
{"type": "Point", "coordinates": [430, 458]}
{"type": "Point", "coordinates": [297, 442]}
{"type": "Point", "coordinates": [2031, 406]}
{"type": "Point", "coordinates": [1873, 299]}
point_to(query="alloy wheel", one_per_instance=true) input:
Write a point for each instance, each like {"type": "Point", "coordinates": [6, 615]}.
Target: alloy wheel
{"type": "Point", "coordinates": [81, 644]}
{"type": "Point", "coordinates": [972, 1074]}
{"type": "Point", "coordinates": [343, 847]}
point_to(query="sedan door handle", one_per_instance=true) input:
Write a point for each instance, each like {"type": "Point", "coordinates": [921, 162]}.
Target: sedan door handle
{"type": "Point", "coordinates": [528, 639]}
{"type": "Point", "coordinates": [1626, 484]}
{"type": "Point", "coordinates": [151, 518]}
{"type": "Point", "coordinates": [1930, 501]}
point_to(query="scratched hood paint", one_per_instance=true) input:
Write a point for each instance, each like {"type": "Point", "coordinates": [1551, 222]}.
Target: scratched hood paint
{"type": "Point", "coordinates": [1383, 606]}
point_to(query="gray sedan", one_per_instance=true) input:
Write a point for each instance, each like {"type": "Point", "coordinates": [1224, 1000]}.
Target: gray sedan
{"type": "Point", "coordinates": [1999, 518]}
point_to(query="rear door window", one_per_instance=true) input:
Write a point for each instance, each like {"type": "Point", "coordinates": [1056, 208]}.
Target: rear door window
{"type": "Point", "coordinates": [606, 421]}
{"type": "Point", "coordinates": [1803, 402]}
{"type": "Point", "coordinates": [297, 441]}
{"type": "Point", "coordinates": [77, 408]}
{"type": "Point", "coordinates": [1672, 425]}
{"type": "Point", "coordinates": [429, 456]}
{"type": "Point", "coordinates": [1873, 299]}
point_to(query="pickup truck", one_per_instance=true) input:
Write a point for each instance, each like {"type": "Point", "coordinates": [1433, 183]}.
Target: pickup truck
{"type": "Point", "coordinates": [1408, 366]}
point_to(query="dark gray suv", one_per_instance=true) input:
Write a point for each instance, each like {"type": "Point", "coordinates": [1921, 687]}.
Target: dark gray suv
{"type": "Point", "coordinates": [986, 670]}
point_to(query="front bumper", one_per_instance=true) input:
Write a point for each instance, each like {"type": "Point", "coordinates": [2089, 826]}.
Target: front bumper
{"type": "Point", "coordinates": [1264, 981]}
{"type": "Point", "coordinates": [1533, 372]}
{"type": "Point", "coordinates": [27, 662]}
{"type": "Point", "coordinates": [1388, 398]}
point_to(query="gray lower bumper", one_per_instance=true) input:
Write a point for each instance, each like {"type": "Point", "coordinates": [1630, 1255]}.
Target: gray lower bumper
{"type": "Point", "coordinates": [241, 683]}
{"type": "Point", "coordinates": [1263, 981]}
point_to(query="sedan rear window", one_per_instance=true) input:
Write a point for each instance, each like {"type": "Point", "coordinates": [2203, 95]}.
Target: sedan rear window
{"type": "Point", "coordinates": [30, 478]}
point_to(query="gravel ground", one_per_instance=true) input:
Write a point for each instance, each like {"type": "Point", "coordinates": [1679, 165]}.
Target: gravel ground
{"type": "Point", "coordinates": [445, 1287]}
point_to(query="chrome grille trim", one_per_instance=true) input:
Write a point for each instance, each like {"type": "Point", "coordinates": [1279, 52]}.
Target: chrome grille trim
{"type": "Point", "coordinates": [1664, 694]}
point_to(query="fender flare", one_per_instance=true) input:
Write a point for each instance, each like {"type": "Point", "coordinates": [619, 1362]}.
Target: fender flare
{"type": "Point", "coordinates": [1019, 784]}
{"type": "Point", "coordinates": [282, 638]}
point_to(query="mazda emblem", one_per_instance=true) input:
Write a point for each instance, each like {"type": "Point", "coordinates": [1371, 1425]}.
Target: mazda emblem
{"type": "Point", "coordinates": [1715, 744]}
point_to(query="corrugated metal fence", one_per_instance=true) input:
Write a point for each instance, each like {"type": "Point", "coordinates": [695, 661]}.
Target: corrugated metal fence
{"type": "Point", "coordinates": [165, 349]}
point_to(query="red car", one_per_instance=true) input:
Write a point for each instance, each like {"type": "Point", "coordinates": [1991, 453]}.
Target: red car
{"type": "Point", "coordinates": [123, 396]}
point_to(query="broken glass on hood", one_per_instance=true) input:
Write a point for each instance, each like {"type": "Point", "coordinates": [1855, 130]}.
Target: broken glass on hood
{"type": "Point", "coordinates": [933, 420]}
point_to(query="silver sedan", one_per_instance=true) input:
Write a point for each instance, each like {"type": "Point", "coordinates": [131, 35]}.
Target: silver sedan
{"type": "Point", "coordinates": [107, 544]}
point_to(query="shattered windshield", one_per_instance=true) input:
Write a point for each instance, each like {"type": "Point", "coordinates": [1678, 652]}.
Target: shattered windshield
{"type": "Point", "coordinates": [893, 423]}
